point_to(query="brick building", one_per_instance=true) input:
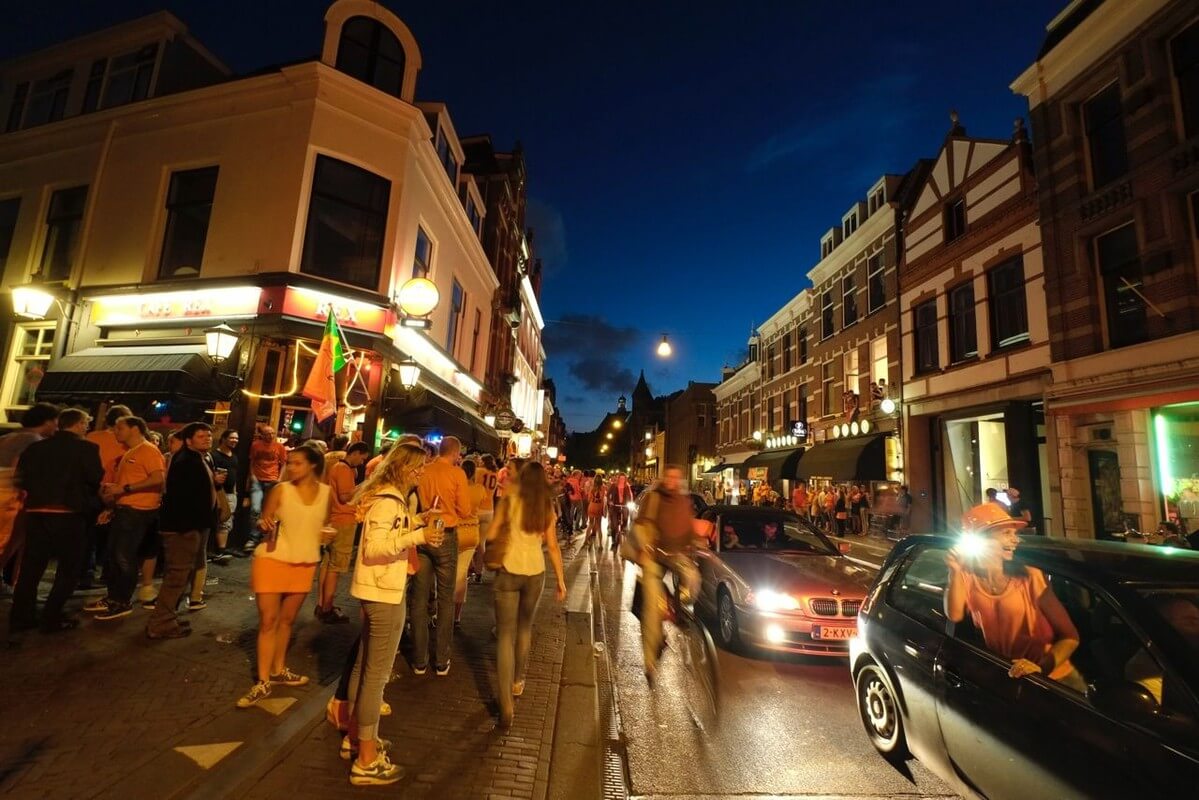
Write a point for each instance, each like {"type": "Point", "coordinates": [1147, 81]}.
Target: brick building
{"type": "Point", "coordinates": [691, 428]}
{"type": "Point", "coordinates": [1114, 103]}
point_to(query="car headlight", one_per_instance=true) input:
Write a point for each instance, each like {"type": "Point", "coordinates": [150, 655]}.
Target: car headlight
{"type": "Point", "coordinates": [770, 600]}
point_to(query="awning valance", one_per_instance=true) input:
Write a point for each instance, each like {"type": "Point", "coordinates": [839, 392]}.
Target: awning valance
{"type": "Point", "coordinates": [861, 458]}
{"type": "Point", "coordinates": [779, 464]}
{"type": "Point", "coordinates": [156, 372]}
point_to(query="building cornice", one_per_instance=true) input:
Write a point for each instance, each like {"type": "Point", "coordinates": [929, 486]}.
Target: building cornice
{"type": "Point", "coordinates": [745, 377]}
{"type": "Point", "coordinates": [844, 254]}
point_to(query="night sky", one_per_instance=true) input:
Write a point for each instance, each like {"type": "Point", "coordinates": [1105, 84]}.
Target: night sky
{"type": "Point", "coordinates": [684, 158]}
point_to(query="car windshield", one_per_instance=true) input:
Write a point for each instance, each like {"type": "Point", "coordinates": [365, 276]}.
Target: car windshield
{"type": "Point", "coordinates": [761, 532]}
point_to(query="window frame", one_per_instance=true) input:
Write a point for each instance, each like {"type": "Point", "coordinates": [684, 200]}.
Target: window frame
{"type": "Point", "coordinates": [849, 301]}
{"type": "Point", "coordinates": [457, 311]}
{"type": "Point", "coordinates": [963, 319]}
{"type": "Point", "coordinates": [8, 233]}
{"type": "Point", "coordinates": [924, 328]}
{"type": "Point", "coordinates": [51, 224]}
{"type": "Point", "coordinates": [894, 586]}
{"type": "Point", "coordinates": [371, 76]}
{"type": "Point", "coordinates": [1188, 117]}
{"type": "Point", "coordinates": [1109, 301]}
{"type": "Point", "coordinates": [173, 208]}
{"type": "Point", "coordinates": [143, 65]}
{"type": "Point", "coordinates": [829, 406]}
{"type": "Point", "coordinates": [828, 320]}
{"type": "Point", "coordinates": [422, 268]}
{"type": "Point", "coordinates": [998, 312]}
{"type": "Point", "coordinates": [1116, 122]}
{"type": "Point", "coordinates": [381, 190]}
{"type": "Point", "coordinates": [955, 219]}
{"type": "Point", "coordinates": [876, 278]}
{"type": "Point", "coordinates": [56, 90]}
{"type": "Point", "coordinates": [14, 363]}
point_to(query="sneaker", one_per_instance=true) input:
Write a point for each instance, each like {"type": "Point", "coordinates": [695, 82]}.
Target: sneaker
{"type": "Point", "coordinates": [518, 688]}
{"type": "Point", "coordinates": [257, 692]}
{"type": "Point", "coordinates": [380, 773]}
{"type": "Point", "coordinates": [222, 557]}
{"type": "Point", "coordinates": [349, 749]}
{"type": "Point", "coordinates": [96, 606]}
{"type": "Point", "coordinates": [197, 605]}
{"type": "Point", "coordinates": [150, 603]}
{"type": "Point", "coordinates": [420, 670]}
{"type": "Point", "coordinates": [146, 593]}
{"type": "Point", "coordinates": [250, 546]}
{"type": "Point", "coordinates": [289, 678]}
{"type": "Point", "coordinates": [115, 611]}
{"type": "Point", "coordinates": [444, 670]}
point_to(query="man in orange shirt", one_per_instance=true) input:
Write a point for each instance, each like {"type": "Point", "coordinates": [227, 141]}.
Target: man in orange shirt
{"type": "Point", "coordinates": [135, 492]}
{"type": "Point", "coordinates": [337, 556]}
{"type": "Point", "coordinates": [111, 451]}
{"type": "Point", "coordinates": [267, 458]}
{"type": "Point", "coordinates": [443, 487]}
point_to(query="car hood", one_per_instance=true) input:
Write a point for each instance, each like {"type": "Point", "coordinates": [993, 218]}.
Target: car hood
{"type": "Point", "coordinates": [800, 573]}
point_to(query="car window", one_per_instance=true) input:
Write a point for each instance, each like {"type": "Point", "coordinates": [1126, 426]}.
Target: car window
{"type": "Point", "coordinates": [918, 588]}
{"type": "Point", "coordinates": [761, 532]}
{"type": "Point", "coordinates": [1177, 608]}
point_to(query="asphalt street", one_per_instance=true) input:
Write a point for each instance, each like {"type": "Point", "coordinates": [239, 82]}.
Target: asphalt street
{"type": "Point", "coordinates": [788, 724]}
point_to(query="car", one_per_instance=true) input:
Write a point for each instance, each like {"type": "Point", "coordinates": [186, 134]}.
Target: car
{"type": "Point", "coordinates": [772, 581]}
{"type": "Point", "coordinates": [930, 688]}
{"type": "Point", "coordinates": [698, 504]}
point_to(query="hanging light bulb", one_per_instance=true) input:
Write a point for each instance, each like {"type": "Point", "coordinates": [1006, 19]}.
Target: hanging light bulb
{"type": "Point", "coordinates": [664, 348]}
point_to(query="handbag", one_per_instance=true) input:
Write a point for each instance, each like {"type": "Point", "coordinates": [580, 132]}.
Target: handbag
{"type": "Point", "coordinates": [497, 547]}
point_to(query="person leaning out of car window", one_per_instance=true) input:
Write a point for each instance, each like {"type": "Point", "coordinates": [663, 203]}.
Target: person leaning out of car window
{"type": "Point", "coordinates": [1011, 605]}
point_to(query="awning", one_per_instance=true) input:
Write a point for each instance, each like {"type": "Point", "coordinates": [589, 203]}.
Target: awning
{"type": "Point", "coordinates": [779, 464]}
{"type": "Point", "coordinates": [861, 458]}
{"type": "Point", "coordinates": [435, 414]}
{"type": "Point", "coordinates": [155, 372]}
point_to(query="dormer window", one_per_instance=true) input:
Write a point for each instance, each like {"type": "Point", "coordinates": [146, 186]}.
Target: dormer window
{"type": "Point", "coordinates": [849, 225]}
{"type": "Point", "coordinates": [48, 100]}
{"type": "Point", "coordinates": [129, 77]}
{"type": "Point", "coordinates": [878, 199]}
{"type": "Point", "coordinates": [371, 53]}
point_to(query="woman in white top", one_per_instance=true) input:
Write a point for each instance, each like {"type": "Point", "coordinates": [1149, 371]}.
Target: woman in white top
{"type": "Point", "coordinates": [294, 521]}
{"type": "Point", "coordinates": [527, 518]}
{"type": "Point", "coordinates": [389, 529]}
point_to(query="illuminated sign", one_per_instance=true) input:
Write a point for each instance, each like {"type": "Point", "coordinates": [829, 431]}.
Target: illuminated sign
{"type": "Point", "coordinates": [799, 429]}
{"type": "Point", "coordinates": [201, 305]}
{"type": "Point", "coordinates": [757, 473]}
{"type": "Point", "coordinates": [313, 305]}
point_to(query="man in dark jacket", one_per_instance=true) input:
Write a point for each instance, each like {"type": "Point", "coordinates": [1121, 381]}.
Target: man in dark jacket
{"type": "Point", "coordinates": [188, 513]}
{"type": "Point", "coordinates": [61, 477]}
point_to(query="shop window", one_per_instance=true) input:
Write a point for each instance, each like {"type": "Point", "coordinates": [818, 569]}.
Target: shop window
{"type": "Point", "coordinates": [64, 221]}
{"type": "Point", "coordinates": [48, 100]}
{"type": "Point", "coordinates": [189, 207]}
{"type": "Point", "coordinates": [1184, 53]}
{"type": "Point", "coordinates": [371, 53]}
{"type": "Point", "coordinates": [422, 258]}
{"type": "Point", "coordinates": [877, 288]}
{"type": "Point", "coordinates": [1123, 284]}
{"type": "Point", "coordinates": [457, 302]}
{"type": "Point", "coordinates": [925, 328]}
{"type": "Point", "coordinates": [95, 82]}
{"type": "Point", "coordinates": [963, 335]}
{"type": "Point", "coordinates": [955, 220]}
{"type": "Point", "coordinates": [474, 338]}
{"type": "Point", "coordinates": [831, 406]}
{"type": "Point", "coordinates": [828, 325]}
{"type": "Point", "coordinates": [347, 220]}
{"type": "Point", "coordinates": [975, 459]}
{"type": "Point", "coordinates": [849, 301]}
{"type": "Point", "coordinates": [9, 209]}
{"type": "Point", "coordinates": [16, 109]}
{"type": "Point", "coordinates": [1103, 124]}
{"type": "Point", "coordinates": [1008, 306]}
{"type": "Point", "coordinates": [29, 356]}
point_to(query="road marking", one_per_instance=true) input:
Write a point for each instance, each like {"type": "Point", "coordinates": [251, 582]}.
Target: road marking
{"type": "Point", "coordinates": [869, 564]}
{"type": "Point", "coordinates": [276, 705]}
{"type": "Point", "coordinates": [208, 755]}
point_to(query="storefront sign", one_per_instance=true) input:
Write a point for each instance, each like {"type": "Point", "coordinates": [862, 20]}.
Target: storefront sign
{"type": "Point", "coordinates": [505, 419]}
{"type": "Point", "coordinates": [199, 305]}
{"type": "Point", "coordinates": [757, 473]}
{"type": "Point", "coordinates": [313, 305]}
{"type": "Point", "coordinates": [799, 429]}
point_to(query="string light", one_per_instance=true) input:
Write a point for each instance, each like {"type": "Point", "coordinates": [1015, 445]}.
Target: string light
{"type": "Point", "coordinates": [295, 378]}
{"type": "Point", "coordinates": [295, 383]}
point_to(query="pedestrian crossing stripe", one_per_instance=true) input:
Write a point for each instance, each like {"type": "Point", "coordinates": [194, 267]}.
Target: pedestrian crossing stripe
{"type": "Point", "coordinates": [208, 755]}
{"type": "Point", "coordinates": [276, 705]}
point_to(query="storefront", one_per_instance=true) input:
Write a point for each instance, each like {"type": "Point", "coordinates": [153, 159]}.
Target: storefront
{"type": "Point", "coordinates": [1176, 442]}
{"type": "Point", "coordinates": [774, 467]}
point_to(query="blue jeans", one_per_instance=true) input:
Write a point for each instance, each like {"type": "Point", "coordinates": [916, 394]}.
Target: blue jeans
{"type": "Point", "coordinates": [438, 568]}
{"type": "Point", "coordinates": [126, 532]}
{"type": "Point", "coordinates": [258, 492]}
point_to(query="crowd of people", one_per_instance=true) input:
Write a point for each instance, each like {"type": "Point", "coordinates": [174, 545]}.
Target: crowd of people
{"type": "Point", "coordinates": [412, 525]}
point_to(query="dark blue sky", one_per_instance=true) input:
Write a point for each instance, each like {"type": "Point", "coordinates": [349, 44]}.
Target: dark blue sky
{"type": "Point", "coordinates": [684, 158]}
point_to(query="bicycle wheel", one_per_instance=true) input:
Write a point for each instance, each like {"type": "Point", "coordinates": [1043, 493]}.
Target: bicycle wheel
{"type": "Point", "coordinates": [702, 670]}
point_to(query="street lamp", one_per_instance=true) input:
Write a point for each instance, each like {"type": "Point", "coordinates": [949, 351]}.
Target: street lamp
{"type": "Point", "coordinates": [31, 303]}
{"type": "Point", "coordinates": [648, 436]}
{"type": "Point", "coordinates": [552, 452]}
{"type": "Point", "coordinates": [649, 452]}
{"type": "Point", "coordinates": [888, 405]}
{"type": "Point", "coordinates": [417, 298]}
{"type": "Point", "coordinates": [220, 341]}
{"type": "Point", "coordinates": [757, 436]}
{"type": "Point", "coordinates": [524, 444]}
{"type": "Point", "coordinates": [617, 424]}
{"type": "Point", "coordinates": [664, 348]}
{"type": "Point", "coordinates": [608, 435]}
{"type": "Point", "coordinates": [409, 373]}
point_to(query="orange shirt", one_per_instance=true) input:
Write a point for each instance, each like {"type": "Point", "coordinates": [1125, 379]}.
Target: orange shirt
{"type": "Point", "coordinates": [266, 460]}
{"type": "Point", "coordinates": [1011, 623]}
{"type": "Point", "coordinates": [110, 452]}
{"type": "Point", "coordinates": [442, 479]}
{"type": "Point", "coordinates": [341, 481]}
{"type": "Point", "coordinates": [137, 465]}
{"type": "Point", "coordinates": [374, 463]}
{"type": "Point", "coordinates": [488, 480]}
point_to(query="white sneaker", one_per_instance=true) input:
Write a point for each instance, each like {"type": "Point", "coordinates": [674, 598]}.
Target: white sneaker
{"type": "Point", "coordinates": [257, 692]}
{"type": "Point", "coordinates": [380, 773]}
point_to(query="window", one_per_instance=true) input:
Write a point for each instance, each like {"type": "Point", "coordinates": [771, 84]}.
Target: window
{"type": "Point", "coordinates": [770, 362]}
{"type": "Point", "coordinates": [129, 77]}
{"type": "Point", "coordinates": [445, 154]}
{"type": "Point", "coordinates": [803, 345]}
{"type": "Point", "coordinates": [963, 335]}
{"type": "Point", "coordinates": [925, 319]}
{"type": "Point", "coordinates": [95, 82]}
{"type": "Point", "coordinates": [189, 206]}
{"type": "Point", "coordinates": [1123, 282]}
{"type": "Point", "coordinates": [826, 247]}
{"type": "Point", "coordinates": [63, 222]}
{"type": "Point", "coordinates": [30, 355]}
{"type": "Point", "coordinates": [918, 591]}
{"type": "Point", "coordinates": [770, 406]}
{"type": "Point", "coordinates": [831, 406]}
{"type": "Point", "coordinates": [1184, 52]}
{"type": "Point", "coordinates": [422, 258]}
{"type": "Point", "coordinates": [1104, 128]}
{"type": "Point", "coordinates": [1009, 310]}
{"type": "Point", "coordinates": [849, 225]}
{"type": "Point", "coordinates": [472, 213]}
{"type": "Point", "coordinates": [787, 352]}
{"type": "Point", "coordinates": [48, 100]}
{"type": "Point", "coordinates": [849, 302]}
{"type": "Point", "coordinates": [347, 219]}
{"type": "Point", "coordinates": [877, 200]}
{"type": "Point", "coordinates": [9, 209]}
{"type": "Point", "coordinates": [802, 397]}
{"type": "Point", "coordinates": [457, 302]}
{"type": "Point", "coordinates": [955, 219]}
{"type": "Point", "coordinates": [878, 359]}
{"type": "Point", "coordinates": [849, 368]}
{"type": "Point", "coordinates": [474, 338]}
{"type": "Point", "coordinates": [827, 324]}
{"type": "Point", "coordinates": [877, 288]}
{"type": "Point", "coordinates": [371, 53]}
{"type": "Point", "coordinates": [17, 110]}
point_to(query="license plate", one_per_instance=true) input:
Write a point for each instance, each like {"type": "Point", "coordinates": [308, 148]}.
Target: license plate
{"type": "Point", "coordinates": [826, 632]}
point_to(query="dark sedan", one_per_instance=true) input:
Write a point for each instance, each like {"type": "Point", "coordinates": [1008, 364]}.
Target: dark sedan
{"type": "Point", "coordinates": [931, 688]}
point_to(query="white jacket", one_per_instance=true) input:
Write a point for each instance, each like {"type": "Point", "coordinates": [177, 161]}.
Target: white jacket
{"type": "Point", "coordinates": [381, 570]}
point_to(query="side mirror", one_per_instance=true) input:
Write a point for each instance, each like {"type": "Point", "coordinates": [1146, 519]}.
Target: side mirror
{"type": "Point", "coordinates": [844, 547]}
{"type": "Point", "coordinates": [1124, 700]}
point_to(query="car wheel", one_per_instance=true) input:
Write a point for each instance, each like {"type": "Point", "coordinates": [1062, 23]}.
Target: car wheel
{"type": "Point", "coordinates": [726, 620]}
{"type": "Point", "coordinates": [879, 711]}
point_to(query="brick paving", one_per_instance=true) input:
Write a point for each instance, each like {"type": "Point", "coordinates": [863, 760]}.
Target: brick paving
{"type": "Point", "coordinates": [443, 729]}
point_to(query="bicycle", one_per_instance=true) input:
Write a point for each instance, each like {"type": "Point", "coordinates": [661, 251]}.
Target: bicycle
{"type": "Point", "coordinates": [697, 651]}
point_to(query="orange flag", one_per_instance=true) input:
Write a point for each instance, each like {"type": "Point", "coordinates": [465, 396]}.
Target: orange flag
{"type": "Point", "coordinates": [320, 387]}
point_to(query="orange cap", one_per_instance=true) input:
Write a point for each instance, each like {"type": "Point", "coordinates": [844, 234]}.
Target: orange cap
{"type": "Point", "coordinates": [989, 516]}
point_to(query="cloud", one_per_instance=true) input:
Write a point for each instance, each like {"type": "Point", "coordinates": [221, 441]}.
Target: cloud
{"type": "Point", "coordinates": [549, 234]}
{"type": "Point", "coordinates": [574, 399]}
{"type": "Point", "coordinates": [601, 374]}
{"type": "Point", "coordinates": [582, 335]}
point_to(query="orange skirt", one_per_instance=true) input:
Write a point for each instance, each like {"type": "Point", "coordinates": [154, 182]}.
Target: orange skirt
{"type": "Point", "coordinates": [272, 576]}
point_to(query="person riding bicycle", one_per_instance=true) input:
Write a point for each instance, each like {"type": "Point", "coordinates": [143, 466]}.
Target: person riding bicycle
{"type": "Point", "coordinates": [620, 493]}
{"type": "Point", "coordinates": [665, 535]}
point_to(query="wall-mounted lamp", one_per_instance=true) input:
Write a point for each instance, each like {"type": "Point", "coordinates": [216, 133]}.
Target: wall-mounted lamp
{"type": "Point", "coordinates": [409, 373]}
